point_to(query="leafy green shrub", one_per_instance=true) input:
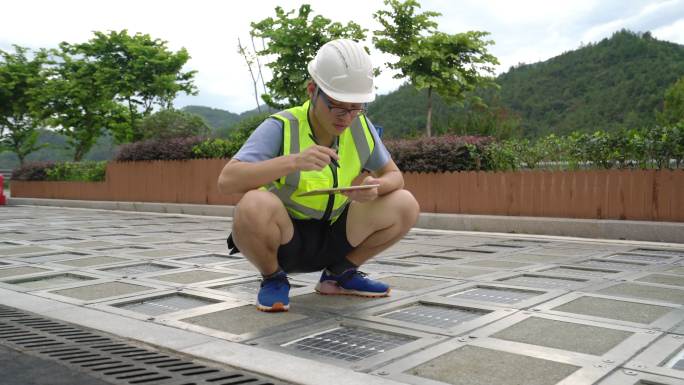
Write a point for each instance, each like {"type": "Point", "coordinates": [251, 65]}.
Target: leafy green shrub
{"type": "Point", "coordinates": [226, 148]}
{"type": "Point", "coordinates": [87, 171]}
{"type": "Point", "coordinates": [501, 156]}
{"type": "Point", "coordinates": [244, 128]}
{"type": "Point", "coordinates": [214, 148]}
{"type": "Point", "coordinates": [32, 171]}
{"type": "Point", "coordinates": [657, 147]}
{"type": "Point", "coordinates": [158, 149]}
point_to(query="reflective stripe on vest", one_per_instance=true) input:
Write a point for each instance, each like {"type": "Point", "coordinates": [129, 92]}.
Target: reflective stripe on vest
{"type": "Point", "coordinates": [357, 142]}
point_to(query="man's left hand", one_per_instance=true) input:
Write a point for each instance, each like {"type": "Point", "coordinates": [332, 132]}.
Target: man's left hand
{"type": "Point", "coordinates": [366, 195]}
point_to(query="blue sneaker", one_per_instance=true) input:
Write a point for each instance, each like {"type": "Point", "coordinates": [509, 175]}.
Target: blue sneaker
{"type": "Point", "coordinates": [274, 294]}
{"type": "Point", "coordinates": [351, 282]}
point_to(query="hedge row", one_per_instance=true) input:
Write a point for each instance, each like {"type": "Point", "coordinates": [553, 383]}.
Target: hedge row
{"type": "Point", "coordinates": [659, 147]}
{"type": "Point", "coordinates": [87, 171]}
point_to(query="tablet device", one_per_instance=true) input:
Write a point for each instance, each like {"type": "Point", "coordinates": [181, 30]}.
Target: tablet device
{"type": "Point", "coordinates": [337, 190]}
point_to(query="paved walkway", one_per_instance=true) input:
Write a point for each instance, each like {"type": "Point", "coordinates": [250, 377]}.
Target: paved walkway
{"type": "Point", "coordinates": [466, 307]}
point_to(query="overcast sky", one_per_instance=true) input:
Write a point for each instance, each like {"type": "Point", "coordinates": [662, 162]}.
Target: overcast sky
{"type": "Point", "coordinates": [524, 31]}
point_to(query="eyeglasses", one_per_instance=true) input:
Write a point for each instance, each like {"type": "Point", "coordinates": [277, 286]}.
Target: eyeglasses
{"type": "Point", "coordinates": [339, 111]}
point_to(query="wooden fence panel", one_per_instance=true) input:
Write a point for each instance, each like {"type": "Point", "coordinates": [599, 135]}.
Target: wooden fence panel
{"type": "Point", "coordinates": [603, 194]}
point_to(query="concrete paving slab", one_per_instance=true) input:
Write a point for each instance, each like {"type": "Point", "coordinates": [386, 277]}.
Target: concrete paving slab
{"type": "Point", "coordinates": [633, 290]}
{"type": "Point", "coordinates": [478, 366]}
{"type": "Point", "coordinates": [20, 270]}
{"type": "Point", "coordinates": [676, 270]}
{"type": "Point", "coordinates": [92, 261]}
{"type": "Point", "coordinates": [663, 279]}
{"type": "Point", "coordinates": [497, 264]}
{"type": "Point", "coordinates": [101, 290]}
{"type": "Point", "coordinates": [50, 281]}
{"type": "Point", "coordinates": [453, 271]}
{"type": "Point", "coordinates": [615, 309]}
{"type": "Point", "coordinates": [22, 250]}
{"type": "Point", "coordinates": [243, 320]}
{"type": "Point", "coordinates": [564, 335]}
{"type": "Point", "coordinates": [192, 276]}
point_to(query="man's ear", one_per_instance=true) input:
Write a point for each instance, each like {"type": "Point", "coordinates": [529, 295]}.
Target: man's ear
{"type": "Point", "coordinates": [310, 88]}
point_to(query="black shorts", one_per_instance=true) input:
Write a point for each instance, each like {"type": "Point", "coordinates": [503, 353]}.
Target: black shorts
{"type": "Point", "coordinates": [315, 245]}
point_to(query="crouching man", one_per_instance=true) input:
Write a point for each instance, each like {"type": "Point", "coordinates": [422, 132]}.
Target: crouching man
{"type": "Point", "coordinates": [324, 143]}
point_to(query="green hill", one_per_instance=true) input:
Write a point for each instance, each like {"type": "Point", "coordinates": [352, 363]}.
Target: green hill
{"type": "Point", "coordinates": [214, 117]}
{"type": "Point", "coordinates": [617, 82]}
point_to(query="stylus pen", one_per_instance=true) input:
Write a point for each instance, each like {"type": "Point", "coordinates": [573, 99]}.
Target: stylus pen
{"type": "Point", "coordinates": [332, 160]}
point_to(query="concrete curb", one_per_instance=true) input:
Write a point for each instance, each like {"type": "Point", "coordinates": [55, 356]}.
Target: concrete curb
{"type": "Point", "coordinates": [583, 228]}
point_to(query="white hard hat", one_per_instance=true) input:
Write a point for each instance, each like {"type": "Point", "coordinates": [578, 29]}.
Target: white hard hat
{"type": "Point", "coordinates": [343, 70]}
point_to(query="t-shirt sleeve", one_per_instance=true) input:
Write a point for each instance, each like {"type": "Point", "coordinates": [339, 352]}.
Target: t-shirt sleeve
{"type": "Point", "coordinates": [265, 142]}
{"type": "Point", "coordinates": [380, 156]}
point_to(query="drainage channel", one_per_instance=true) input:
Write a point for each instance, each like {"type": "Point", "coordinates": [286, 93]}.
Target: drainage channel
{"type": "Point", "coordinates": [108, 358]}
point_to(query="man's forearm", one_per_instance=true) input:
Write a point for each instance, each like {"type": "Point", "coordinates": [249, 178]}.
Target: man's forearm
{"type": "Point", "coordinates": [240, 177]}
{"type": "Point", "coordinates": [391, 181]}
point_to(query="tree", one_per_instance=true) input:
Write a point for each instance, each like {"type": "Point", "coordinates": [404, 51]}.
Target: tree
{"type": "Point", "coordinates": [78, 99]}
{"type": "Point", "coordinates": [673, 105]}
{"type": "Point", "coordinates": [142, 73]}
{"type": "Point", "coordinates": [402, 28]}
{"type": "Point", "coordinates": [166, 124]}
{"type": "Point", "coordinates": [21, 78]}
{"type": "Point", "coordinates": [451, 65]}
{"type": "Point", "coordinates": [294, 42]}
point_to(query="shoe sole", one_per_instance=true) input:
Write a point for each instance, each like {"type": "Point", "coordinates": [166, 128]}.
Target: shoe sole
{"type": "Point", "coordinates": [336, 290]}
{"type": "Point", "coordinates": [276, 308]}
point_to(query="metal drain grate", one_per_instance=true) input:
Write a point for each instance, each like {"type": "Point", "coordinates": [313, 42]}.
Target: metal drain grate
{"type": "Point", "coordinates": [669, 253]}
{"type": "Point", "coordinates": [467, 251]}
{"type": "Point", "coordinates": [61, 239]}
{"type": "Point", "coordinates": [578, 271]}
{"type": "Point", "coordinates": [613, 264]}
{"type": "Point", "coordinates": [544, 281]}
{"type": "Point", "coordinates": [49, 281]}
{"type": "Point", "coordinates": [209, 258]}
{"type": "Point", "coordinates": [676, 362]}
{"type": "Point", "coordinates": [53, 257]}
{"type": "Point", "coordinates": [495, 294]}
{"type": "Point", "coordinates": [349, 344]}
{"type": "Point", "coordinates": [640, 257]}
{"type": "Point", "coordinates": [500, 246]}
{"type": "Point", "coordinates": [113, 235]}
{"type": "Point", "coordinates": [427, 259]}
{"type": "Point", "coordinates": [435, 315]}
{"type": "Point", "coordinates": [166, 304]}
{"type": "Point", "coordinates": [125, 248]}
{"type": "Point", "coordinates": [139, 269]}
{"type": "Point", "coordinates": [428, 235]}
{"type": "Point", "coordinates": [389, 267]}
{"type": "Point", "coordinates": [526, 242]}
{"type": "Point", "coordinates": [108, 358]}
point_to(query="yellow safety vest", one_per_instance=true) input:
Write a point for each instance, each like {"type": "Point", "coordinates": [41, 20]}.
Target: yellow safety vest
{"type": "Point", "coordinates": [354, 147]}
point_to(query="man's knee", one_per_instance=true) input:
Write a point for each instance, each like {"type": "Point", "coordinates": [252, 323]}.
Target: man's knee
{"type": "Point", "coordinates": [406, 205]}
{"type": "Point", "coordinates": [256, 205]}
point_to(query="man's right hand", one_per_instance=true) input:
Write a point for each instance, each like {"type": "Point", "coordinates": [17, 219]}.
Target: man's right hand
{"type": "Point", "coordinates": [314, 158]}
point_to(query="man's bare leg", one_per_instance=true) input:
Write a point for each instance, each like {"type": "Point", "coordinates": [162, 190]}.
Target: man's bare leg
{"type": "Point", "coordinates": [260, 225]}
{"type": "Point", "coordinates": [376, 225]}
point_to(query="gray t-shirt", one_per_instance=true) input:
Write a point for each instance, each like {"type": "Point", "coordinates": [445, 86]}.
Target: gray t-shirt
{"type": "Point", "coordinates": [266, 142]}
